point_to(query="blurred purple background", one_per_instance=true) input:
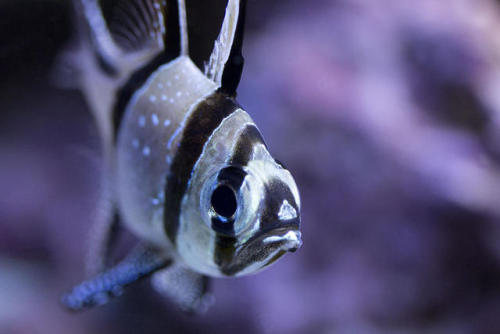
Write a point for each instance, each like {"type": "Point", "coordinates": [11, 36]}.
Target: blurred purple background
{"type": "Point", "coordinates": [388, 114]}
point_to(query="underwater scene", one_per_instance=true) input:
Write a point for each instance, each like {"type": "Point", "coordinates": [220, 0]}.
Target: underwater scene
{"type": "Point", "coordinates": [383, 115]}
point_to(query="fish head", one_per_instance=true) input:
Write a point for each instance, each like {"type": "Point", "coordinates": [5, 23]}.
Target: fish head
{"type": "Point", "coordinates": [266, 219]}
{"type": "Point", "coordinates": [242, 211]}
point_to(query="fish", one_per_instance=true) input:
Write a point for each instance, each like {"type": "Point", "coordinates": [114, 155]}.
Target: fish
{"type": "Point", "coordinates": [187, 170]}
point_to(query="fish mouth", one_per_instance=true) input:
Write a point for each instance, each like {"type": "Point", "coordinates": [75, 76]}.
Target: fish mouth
{"type": "Point", "coordinates": [283, 239]}
{"type": "Point", "coordinates": [288, 241]}
{"type": "Point", "coordinates": [265, 250]}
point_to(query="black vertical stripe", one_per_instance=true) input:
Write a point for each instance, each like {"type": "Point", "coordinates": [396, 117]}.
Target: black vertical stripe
{"type": "Point", "coordinates": [136, 81]}
{"type": "Point", "coordinates": [172, 28]}
{"type": "Point", "coordinates": [243, 149]}
{"type": "Point", "coordinates": [232, 176]}
{"type": "Point", "coordinates": [225, 246]}
{"type": "Point", "coordinates": [200, 125]}
{"type": "Point", "coordinates": [275, 192]}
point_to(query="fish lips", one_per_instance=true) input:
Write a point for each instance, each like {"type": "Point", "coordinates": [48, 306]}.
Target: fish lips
{"type": "Point", "coordinates": [264, 249]}
{"type": "Point", "coordinates": [286, 237]}
{"type": "Point", "coordinates": [288, 240]}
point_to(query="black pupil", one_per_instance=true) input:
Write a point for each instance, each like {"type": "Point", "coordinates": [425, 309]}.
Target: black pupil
{"type": "Point", "coordinates": [224, 201]}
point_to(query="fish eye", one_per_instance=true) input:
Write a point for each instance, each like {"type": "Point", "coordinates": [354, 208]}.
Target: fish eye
{"type": "Point", "coordinates": [224, 202]}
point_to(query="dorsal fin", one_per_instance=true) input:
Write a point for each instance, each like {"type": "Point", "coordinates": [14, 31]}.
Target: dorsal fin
{"type": "Point", "coordinates": [100, 37]}
{"type": "Point", "coordinates": [226, 61]}
{"type": "Point", "coordinates": [128, 34]}
{"type": "Point", "coordinates": [136, 24]}
{"type": "Point", "coordinates": [176, 41]}
{"type": "Point", "coordinates": [183, 28]}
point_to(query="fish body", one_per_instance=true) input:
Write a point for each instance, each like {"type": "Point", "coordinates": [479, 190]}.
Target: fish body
{"type": "Point", "coordinates": [191, 175]}
{"type": "Point", "coordinates": [149, 140]}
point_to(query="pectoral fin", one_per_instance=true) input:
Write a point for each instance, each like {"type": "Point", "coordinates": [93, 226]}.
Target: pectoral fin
{"type": "Point", "coordinates": [142, 262]}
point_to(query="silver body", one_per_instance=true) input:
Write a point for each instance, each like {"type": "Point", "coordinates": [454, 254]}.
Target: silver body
{"type": "Point", "coordinates": [186, 168]}
{"type": "Point", "coordinates": [150, 135]}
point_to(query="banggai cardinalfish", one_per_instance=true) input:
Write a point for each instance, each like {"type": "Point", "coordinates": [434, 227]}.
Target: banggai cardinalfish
{"type": "Point", "coordinates": [187, 170]}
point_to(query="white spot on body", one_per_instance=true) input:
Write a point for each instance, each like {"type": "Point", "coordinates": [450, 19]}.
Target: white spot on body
{"type": "Point", "coordinates": [152, 98]}
{"type": "Point", "coordinates": [160, 85]}
{"type": "Point", "coordinates": [141, 121]}
{"type": "Point", "coordinates": [171, 100]}
{"type": "Point", "coordinates": [169, 83]}
{"type": "Point", "coordinates": [287, 211]}
{"type": "Point", "coordinates": [178, 94]}
{"type": "Point", "coordinates": [164, 97]}
{"type": "Point", "coordinates": [154, 119]}
{"type": "Point", "coordinates": [155, 201]}
{"type": "Point", "coordinates": [168, 159]}
{"type": "Point", "coordinates": [166, 123]}
{"type": "Point", "coordinates": [146, 151]}
{"type": "Point", "coordinates": [176, 77]}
